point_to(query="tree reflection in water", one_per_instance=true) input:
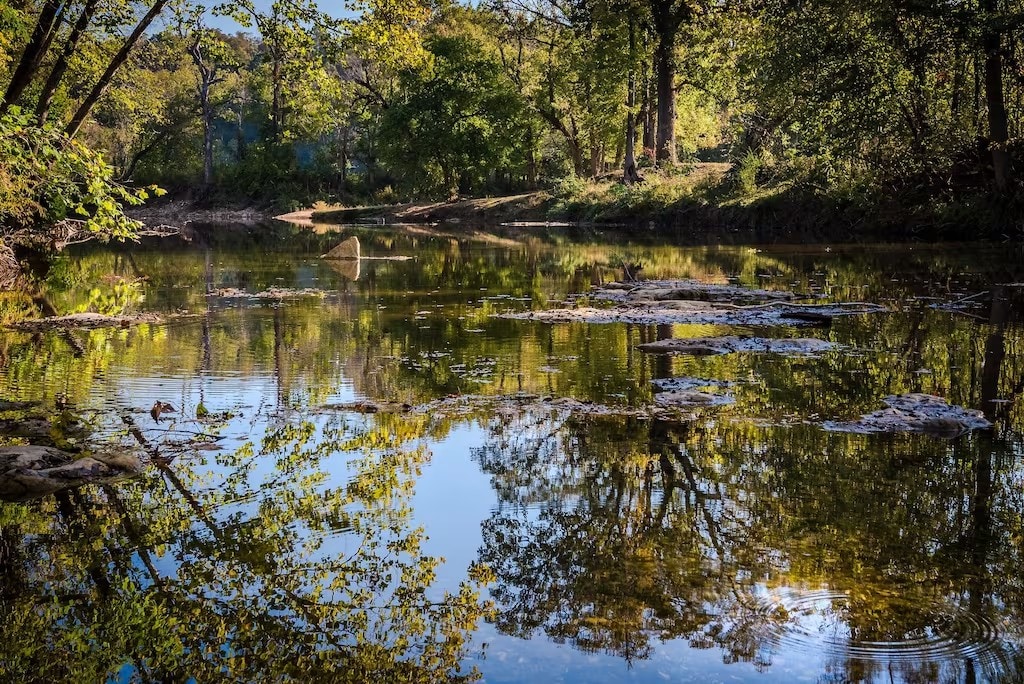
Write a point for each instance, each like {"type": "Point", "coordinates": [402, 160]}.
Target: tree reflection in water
{"type": "Point", "coordinates": [272, 573]}
{"type": "Point", "coordinates": [891, 555]}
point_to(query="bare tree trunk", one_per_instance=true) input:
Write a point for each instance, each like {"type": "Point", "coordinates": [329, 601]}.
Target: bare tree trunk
{"type": "Point", "coordinates": [61, 66]}
{"type": "Point", "coordinates": [118, 60]}
{"type": "Point", "coordinates": [39, 41]}
{"type": "Point", "coordinates": [998, 125]}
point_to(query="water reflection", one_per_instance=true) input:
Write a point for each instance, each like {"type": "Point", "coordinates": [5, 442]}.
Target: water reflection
{"type": "Point", "coordinates": [743, 542]}
{"type": "Point", "coordinates": [295, 557]}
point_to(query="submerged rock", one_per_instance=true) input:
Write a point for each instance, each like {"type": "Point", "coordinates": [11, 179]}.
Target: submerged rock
{"type": "Point", "coordinates": [711, 346]}
{"type": "Point", "coordinates": [27, 472]}
{"type": "Point", "coordinates": [922, 413]}
{"type": "Point", "coordinates": [687, 392]}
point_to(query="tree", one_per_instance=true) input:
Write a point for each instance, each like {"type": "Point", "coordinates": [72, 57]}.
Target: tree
{"type": "Point", "coordinates": [456, 119]}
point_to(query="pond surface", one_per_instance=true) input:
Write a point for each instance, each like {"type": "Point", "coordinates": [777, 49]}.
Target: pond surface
{"type": "Point", "coordinates": [490, 529]}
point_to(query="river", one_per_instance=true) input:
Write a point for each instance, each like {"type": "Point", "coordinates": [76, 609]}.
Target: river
{"type": "Point", "coordinates": [479, 525]}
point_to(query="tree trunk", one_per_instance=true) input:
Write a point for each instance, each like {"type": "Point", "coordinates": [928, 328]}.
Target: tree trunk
{"type": "Point", "coordinates": [531, 159]}
{"type": "Point", "coordinates": [61, 66]}
{"type": "Point", "coordinates": [40, 39]}
{"type": "Point", "coordinates": [118, 60]}
{"type": "Point", "coordinates": [666, 75]}
{"type": "Point", "coordinates": [630, 175]}
{"type": "Point", "coordinates": [998, 126]}
{"type": "Point", "coordinates": [595, 155]}
{"type": "Point", "coordinates": [276, 114]}
{"type": "Point", "coordinates": [649, 115]}
{"type": "Point", "coordinates": [667, 16]}
{"type": "Point", "coordinates": [207, 137]}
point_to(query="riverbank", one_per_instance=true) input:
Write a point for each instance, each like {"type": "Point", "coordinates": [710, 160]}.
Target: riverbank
{"type": "Point", "coordinates": [701, 202]}
{"type": "Point", "coordinates": [706, 200]}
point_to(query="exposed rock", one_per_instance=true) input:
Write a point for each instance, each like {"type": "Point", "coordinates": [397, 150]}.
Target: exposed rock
{"type": "Point", "coordinates": [86, 320]}
{"type": "Point", "coordinates": [27, 472]}
{"type": "Point", "coordinates": [367, 406]}
{"type": "Point", "coordinates": [694, 290]}
{"type": "Point", "coordinates": [687, 392]}
{"type": "Point", "coordinates": [695, 312]}
{"type": "Point", "coordinates": [690, 383]}
{"type": "Point", "coordinates": [694, 302]}
{"type": "Point", "coordinates": [923, 413]}
{"type": "Point", "coordinates": [6, 405]}
{"type": "Point", "coordinates": [691, 398]}
{"type": "Point", "coordinates": [269, 293]}
{"type": "Point", "coordinates": [348, 249]}
{"type": "Point", "coordinates": [710, 346]}
{"type": "Point", "coordinates": [30, 427]}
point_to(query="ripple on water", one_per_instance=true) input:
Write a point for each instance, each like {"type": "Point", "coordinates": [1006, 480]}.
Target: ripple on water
{"type": "Point", "coordinates": [915, 629]}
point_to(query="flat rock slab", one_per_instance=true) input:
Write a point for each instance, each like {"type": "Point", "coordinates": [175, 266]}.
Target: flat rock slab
{"type": "Point", "coordinates": [922, 413]}
{"type": "Point", "coordinates": [698, 313]}
{"type": "Point", "coordinates": [270, 293]}
{"type": "Point", "coordinates": [515, 404]}
{"type": "Point", "coordinates": [689, 392]}
{"type": "Point", "coordinates": [711, 346]}
{"type": "Point", "coordinates": [367, 406]}
{"type": "Point", "coordinates": [695, 290]}
{"type": "Point", "coordinates": [27, 472]}
{"type": "Point", "coordinates": [692, 399]}
{"type": "Point", "coordinates": [86, 320]}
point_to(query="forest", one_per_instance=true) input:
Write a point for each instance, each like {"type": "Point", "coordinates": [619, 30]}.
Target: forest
{"type": "Point", "coordinates": [900, 109]}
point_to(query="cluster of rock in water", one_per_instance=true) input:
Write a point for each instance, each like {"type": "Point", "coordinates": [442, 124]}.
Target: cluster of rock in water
{"type": "Point", "coordinates": [32, 470]}
{"type": "Point", "coordinates": [679, 398]}
{"type": "Point", "coordinates": [693, 302]}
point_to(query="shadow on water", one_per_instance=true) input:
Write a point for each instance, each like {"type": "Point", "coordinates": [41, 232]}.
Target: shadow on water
{"type": "Point", "coordinates": [279, 536]}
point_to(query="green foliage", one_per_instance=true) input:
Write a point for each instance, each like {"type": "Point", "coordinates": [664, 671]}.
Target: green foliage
{"type": "Point", "coordinates": [48, 177]}
{"type": "Point", "coordinates": [746, 172]}
{"type": "Point", "coordinates": [456, 121]}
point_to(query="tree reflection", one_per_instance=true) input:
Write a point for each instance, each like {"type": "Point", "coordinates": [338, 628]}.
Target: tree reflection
{"type": "Point", "coordinates": [613, 534]}
{"type": "Point", "coordinates": [274, 572]}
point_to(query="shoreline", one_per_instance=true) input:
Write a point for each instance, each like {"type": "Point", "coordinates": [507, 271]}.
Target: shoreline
{"type": "Point", "coordinates": [786, 215]}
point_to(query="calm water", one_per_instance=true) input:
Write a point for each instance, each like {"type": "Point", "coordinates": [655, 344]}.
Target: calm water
{"type": "Point", "coordinates": [513, 540]}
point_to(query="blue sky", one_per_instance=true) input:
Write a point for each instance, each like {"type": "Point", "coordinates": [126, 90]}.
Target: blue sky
{"type": "Point", "coordinates": [334, 7]}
